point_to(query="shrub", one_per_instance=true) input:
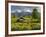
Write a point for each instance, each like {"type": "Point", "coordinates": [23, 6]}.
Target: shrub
{"type": "Point", "coordinates": [36, 27]}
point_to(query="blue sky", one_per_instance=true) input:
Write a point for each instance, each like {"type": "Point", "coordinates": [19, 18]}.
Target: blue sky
{"type": "Point", "coordinates": [23, 8]}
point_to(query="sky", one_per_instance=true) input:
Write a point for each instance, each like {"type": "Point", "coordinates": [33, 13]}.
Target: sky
{"type": "Point", "coordinates": [23, 8]}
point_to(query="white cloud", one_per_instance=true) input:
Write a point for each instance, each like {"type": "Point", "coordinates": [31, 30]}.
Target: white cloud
{"type": "Point", "coordinates": [27, 10]}
{"type": "Point", "coordinates": [19, 11]}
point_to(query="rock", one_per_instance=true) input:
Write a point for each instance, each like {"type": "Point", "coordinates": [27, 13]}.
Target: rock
{"type": "Point", "coordinates": [21, 19]}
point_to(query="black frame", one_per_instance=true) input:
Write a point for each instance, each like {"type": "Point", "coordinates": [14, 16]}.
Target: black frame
{"type": "Point", "coordinates": [6, 17]}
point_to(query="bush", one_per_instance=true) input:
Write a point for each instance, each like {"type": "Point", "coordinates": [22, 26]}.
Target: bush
{"type": "Point", "coordinates": [36, 27]}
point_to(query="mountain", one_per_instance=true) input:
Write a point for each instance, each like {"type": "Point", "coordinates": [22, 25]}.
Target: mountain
{"type": "Point", "coordinates": [22, 14]}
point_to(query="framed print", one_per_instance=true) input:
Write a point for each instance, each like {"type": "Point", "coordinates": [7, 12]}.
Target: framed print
{"type": "Point", "coordinates": [24, 18]}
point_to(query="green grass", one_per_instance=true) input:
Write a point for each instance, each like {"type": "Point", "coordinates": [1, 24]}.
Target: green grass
{"type": "Point", "coordinates": [27, 24]}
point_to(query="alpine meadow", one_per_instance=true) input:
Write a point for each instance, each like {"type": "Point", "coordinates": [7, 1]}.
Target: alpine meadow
{"type": "Point", "coordinates": [25, 18]}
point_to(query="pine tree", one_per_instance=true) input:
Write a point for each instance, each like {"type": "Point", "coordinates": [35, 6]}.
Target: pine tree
{"type": "Point", "coordinates": [35, 14]}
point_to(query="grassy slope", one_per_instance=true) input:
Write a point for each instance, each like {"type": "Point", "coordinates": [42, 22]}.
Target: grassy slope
{"type": "Point", "coordinates": [28, 24]}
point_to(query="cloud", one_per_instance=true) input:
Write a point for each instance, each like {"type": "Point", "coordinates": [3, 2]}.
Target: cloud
{"type": "Point", "coordinates": [27, 10]}
{"type": "Point", "coordinates": [19, 10]}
